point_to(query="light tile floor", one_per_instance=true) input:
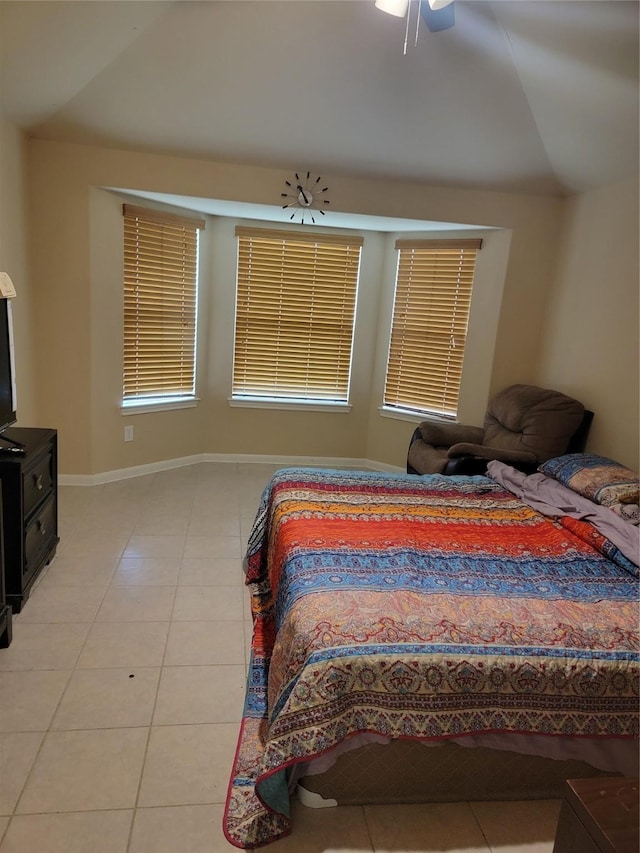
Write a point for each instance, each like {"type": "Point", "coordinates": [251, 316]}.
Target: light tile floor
{"type": "Point", "coordinates": [122, 691]}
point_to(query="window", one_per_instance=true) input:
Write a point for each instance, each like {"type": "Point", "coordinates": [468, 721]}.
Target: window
{"type": "Point", "coordinates": [429, 328]}
{"type": "Point", "coordinates": [160, 295]}
{"type": "Point", "coordinates": [295, 309]}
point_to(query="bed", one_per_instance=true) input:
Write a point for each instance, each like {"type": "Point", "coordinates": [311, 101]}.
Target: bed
{"type": "Point", "coordinates": [404, 610]}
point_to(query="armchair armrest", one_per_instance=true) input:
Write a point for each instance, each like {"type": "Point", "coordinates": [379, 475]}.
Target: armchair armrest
{"type": "Point", "coordinates": [444, 435]}
{"type": "Point", "coordinates": [510, 457]}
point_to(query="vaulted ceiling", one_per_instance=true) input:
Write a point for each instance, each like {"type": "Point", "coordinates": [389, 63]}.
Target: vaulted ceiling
{"type": "Point", "coordinates": [531, 96]}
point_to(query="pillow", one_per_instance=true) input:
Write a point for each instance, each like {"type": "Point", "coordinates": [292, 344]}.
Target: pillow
{"type": "Point", "coordinates": [602, 480]}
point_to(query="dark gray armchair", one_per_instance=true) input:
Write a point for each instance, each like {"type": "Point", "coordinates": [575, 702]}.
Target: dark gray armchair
{"type": "Point", "coordinates": [524, 426]}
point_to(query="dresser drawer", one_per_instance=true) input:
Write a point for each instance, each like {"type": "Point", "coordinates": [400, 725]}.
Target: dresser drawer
{"type": "Point", "coordinates": [38, 482]}
{"type": "Point", "coordinates": [29, 507]}
{"type": "Point", "coordinates": [40, 536]}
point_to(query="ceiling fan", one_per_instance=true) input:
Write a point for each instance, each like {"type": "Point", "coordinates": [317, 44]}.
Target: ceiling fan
{"type": "Point", "coordinates": [437, 14]}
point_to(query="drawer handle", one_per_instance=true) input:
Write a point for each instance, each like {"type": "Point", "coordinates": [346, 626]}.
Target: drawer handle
{"type": "Point", "coordinates": [38, 482]}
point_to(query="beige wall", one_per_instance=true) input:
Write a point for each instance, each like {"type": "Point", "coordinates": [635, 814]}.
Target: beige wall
{"type": "Point", "coordinates": [14, 260]}
{"type": "Point", "coordinates": [75, 235]}
{"type": "Point", "coordinates": [77, 269]}
{"type": "Point", "coordinates": [590, 343]}
{"type": "Point", "coordinates": [217, 427]}
{"type": "Point", "coordinates": [214, 426]}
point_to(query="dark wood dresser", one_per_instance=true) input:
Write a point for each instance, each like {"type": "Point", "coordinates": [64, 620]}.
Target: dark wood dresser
{"type": "Point", "coordinates": [29, 508]}
{"type": "Point", "coordinates": [599, 816]}
{"type": "Point", "coordinates": [5, 610]}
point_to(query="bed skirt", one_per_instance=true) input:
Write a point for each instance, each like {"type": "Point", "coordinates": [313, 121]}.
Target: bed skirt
{"type": "Point", "coordinates": [408, 772]}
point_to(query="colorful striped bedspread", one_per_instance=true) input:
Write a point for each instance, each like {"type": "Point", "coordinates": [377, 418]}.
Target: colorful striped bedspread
{"type": "Point", "coordinates": [421, 607]}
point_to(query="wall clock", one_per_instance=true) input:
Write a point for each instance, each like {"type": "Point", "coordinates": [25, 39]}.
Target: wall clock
{"type": "Point", "coordinates": [305, 195]}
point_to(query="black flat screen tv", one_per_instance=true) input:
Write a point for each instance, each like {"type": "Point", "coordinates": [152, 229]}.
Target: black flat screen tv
{"type": "Point", "coordinates": [8, 404]}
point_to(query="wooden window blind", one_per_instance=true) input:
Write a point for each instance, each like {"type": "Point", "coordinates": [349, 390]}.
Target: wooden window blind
{"type": "Point", "coordinates": [429, 329]}
{"type": "Point", "coordinates": [160, 289]}
{"type": "Point", "coordinates": [295, 308]}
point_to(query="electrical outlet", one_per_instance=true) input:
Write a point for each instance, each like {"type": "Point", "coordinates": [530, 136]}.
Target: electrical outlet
{"type": "Point", "coordinates": [128, 433]}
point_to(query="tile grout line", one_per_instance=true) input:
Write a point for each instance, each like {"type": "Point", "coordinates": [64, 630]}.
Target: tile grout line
{"type": "Point", "coordinates": [49, 730]}
{"type": "Point", "coordinates": [480, 827]}
{"type": "Point", "coordinates": [241, 508]}
{"type": "Point", "coordinates": [155, 700]}
{"type": "Point", "coordinates": [73, 669]}
{"type": "Point", "coordinates": [368, 828]}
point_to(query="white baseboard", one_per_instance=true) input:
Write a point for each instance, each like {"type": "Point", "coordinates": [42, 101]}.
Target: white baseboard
{"type": "Point", "coordinates": [230, 458]}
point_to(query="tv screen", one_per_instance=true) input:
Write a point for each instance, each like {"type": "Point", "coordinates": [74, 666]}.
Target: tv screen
{"type": "Point", "coordinates": [7, 376]}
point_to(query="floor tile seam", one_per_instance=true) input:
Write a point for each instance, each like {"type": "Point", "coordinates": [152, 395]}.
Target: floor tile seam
{"type": "Point", "coordinates": [44, 668]}
{"type": "Point", "coordinates": [148, 738]}
{"type": "Point", "coordinates": [65, 552]}
{"type": "Point", "coordinates": [203, 621]}
{"type": "Point", "coordinates": [487, 844]}
{"type": "Point", "coordinates": [479, 824]}
{"type": "Point", "coordinates": [191, 665]}
{"type": "Point", "coordinates": [146, 622]}
{"type": "Point", "coordinates": [107, 669]}
{"type": "Point", "coordinates": [68, 586]}
{"type": "Point", "coordinates": [184, 536]}
{"type": "Point", "coordinates": [55, 710]}
{"type": "Point", "coordinates": [29, 773]}
{"type": "Point", "coordinates": [136, 621]}
{"type": "Point", "coordinates": [153, 514]}
{"type": "Point", "coordinates": [75, 668]}
{"type": "Point", "coordinates": [368, 828]}
{"type": "Point", "coordinates": [212, 621]}
{"type": "Point", "coordinates": [151, 808]}
{"type": "Point", "coordinates": [16, 817]}
{"type": "Point", "coordinates": [178, 556]}
{"type": "Point", "coordinates": [180, 805]}
{"type": "Point", "coordinates": [110, 728]}
{"type": "Point", "coordinates": [238, 585]}
{"type": "Point", "coordinates": [95, 809]}
{"type": "Point", "coordinates": [209, 585]}
{"type": "Point", "coordinates": [117, 665]}
{"type": "Point", "coordinates": [57, 622]}
{"type": "Point", "coordinates": [11, 732]}
{"type": "Point", "coordinates": [137, 805]}
{"type": "Point", "coordinates": [73, 586]}
{"type": "Point", "coordinates": [194, 722]}
{"type": "Point", "coordinates": [142, 766]}
{"type": "Point", "coordinates": [126, 585]}
{"type": "Point", "coordinates": [171, 612]}
{"type": "Point", "coordinates": [86, 638]}
{"type": "Point", "coordinates": [187, 725]}
{"type": "Point", "coordinates": [169, 624]}
{"type": "Point", "coordinates": [175, 805]}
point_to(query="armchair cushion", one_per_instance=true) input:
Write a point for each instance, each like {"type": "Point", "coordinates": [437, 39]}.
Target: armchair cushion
{"type": "Point", "coordinates": [524, 426]}
{"type": "Point", "coordinates": [510, 457]}
{"type": "Point", "coordinates": [532, 419]}
{"type": "Point", "coordinates": [444, 435]}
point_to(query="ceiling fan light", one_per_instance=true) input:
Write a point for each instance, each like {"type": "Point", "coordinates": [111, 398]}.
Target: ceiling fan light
{"type": "Point", "coordinates": [439, 4]}
{"type": "Point", "coordinates": [394, 7]}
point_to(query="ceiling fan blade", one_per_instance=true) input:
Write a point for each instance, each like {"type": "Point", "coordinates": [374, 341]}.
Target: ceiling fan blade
{"type": "Point", "coordinates": [438, 19]}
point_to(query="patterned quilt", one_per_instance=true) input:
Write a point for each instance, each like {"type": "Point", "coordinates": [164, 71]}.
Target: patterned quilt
{"type": "Point", "coordinates": [424, 608]}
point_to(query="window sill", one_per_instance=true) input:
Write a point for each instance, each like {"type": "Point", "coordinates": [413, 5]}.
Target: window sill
{"type": "Point", "coordinates": [158, 405]}
{"type": "Point", "coordinates": [414, 417]}
{"type": "Point", "coordinates": [290, 405]}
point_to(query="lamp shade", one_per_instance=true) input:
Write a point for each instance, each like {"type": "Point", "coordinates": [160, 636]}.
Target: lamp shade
{"type": "Point", "coordinates": [394, 7]}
